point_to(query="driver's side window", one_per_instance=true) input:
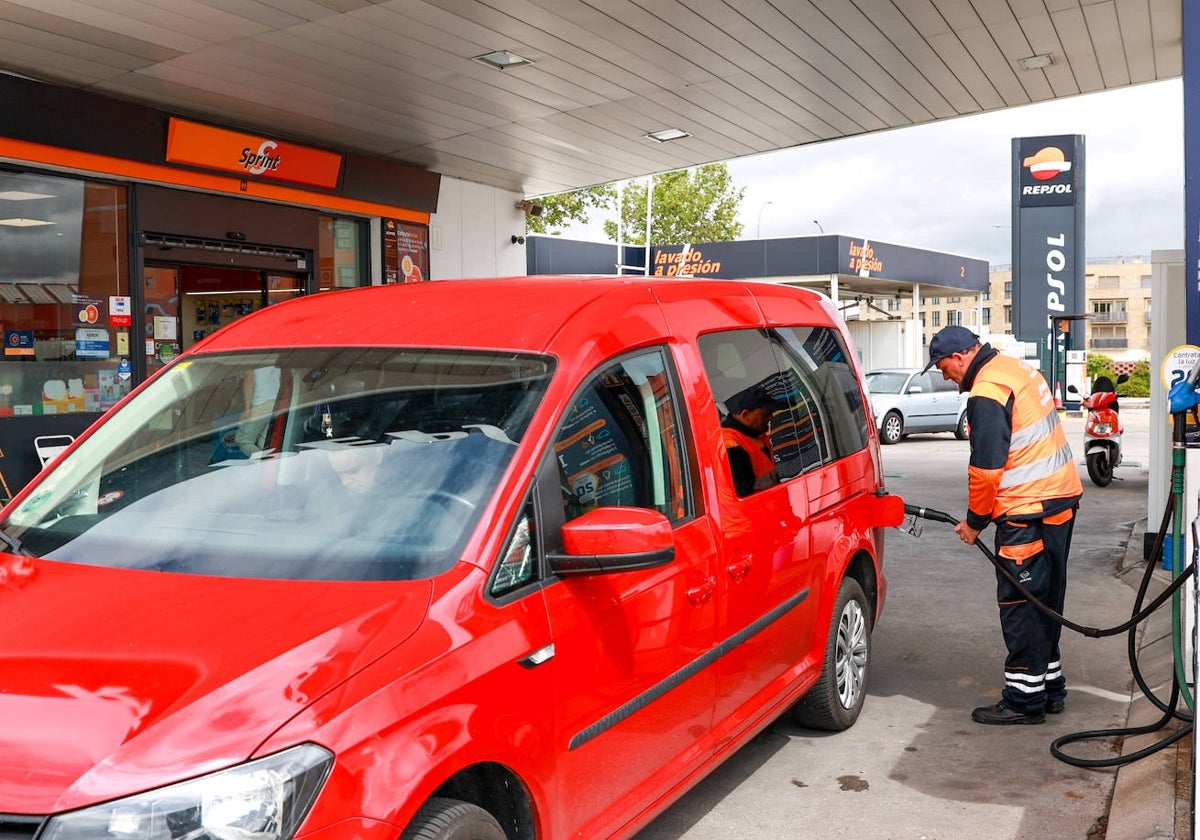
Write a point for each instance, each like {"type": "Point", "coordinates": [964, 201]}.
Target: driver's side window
{"type": "Point", "coordinates": [621, 442]}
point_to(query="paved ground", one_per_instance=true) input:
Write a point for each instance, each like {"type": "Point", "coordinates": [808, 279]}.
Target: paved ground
{"type": "Point", "coordinates": [915, 766]}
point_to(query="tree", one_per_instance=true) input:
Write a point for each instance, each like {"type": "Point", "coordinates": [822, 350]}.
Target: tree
{"type": "Point", "coordinates": [1139, 380]}
{"type": "Point", "coordinates": [689, 205]}
{"type": "Point", "coordinates": [559, 210]}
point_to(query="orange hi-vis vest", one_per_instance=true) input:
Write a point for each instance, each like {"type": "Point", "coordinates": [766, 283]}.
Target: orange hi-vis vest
{"type": "Point", "coordinates": [1039, 466]}
{"type": "Point", "coordinates": [760, 461]}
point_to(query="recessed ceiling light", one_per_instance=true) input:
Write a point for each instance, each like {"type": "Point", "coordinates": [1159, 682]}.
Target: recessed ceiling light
{"type": "Point", "coordinates": [1036, 62]}
{"type": "Point", "coordinates": [24, 222]}
{"type": "Point", "coordinates": [501, 59]}
{"type": "Point", "coordinates": [666, 134]}
{"type": "Point", "coordinates": [19, 195]}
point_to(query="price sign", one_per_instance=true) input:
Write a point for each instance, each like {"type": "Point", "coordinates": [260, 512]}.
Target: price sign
{"type": "Point", "coordinates": [1179, 363]}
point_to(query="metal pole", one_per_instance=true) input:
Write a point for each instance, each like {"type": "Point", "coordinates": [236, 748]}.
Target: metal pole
{"type": "Point", "coordinates": [649, 206]}
{"type": "Point", "coordinates": [758, 227]}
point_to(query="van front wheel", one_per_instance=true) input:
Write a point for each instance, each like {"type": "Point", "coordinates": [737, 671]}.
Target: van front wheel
{"type": "Point", "coordinates": [835, 702]}
{"type": "Point", "coordinates": [450, 819]}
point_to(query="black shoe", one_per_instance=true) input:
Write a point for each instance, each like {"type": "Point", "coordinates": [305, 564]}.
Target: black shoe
{"type": "Point", "coordinates": [1055, 707]}
{"type": "Point", "coordinates": [1002, 715]}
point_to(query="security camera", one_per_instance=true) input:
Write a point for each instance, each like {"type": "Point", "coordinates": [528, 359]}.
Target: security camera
{"type": "Point", "coordinates": [530, 208]}
{"type": "Point", "coordinates": [518, 240]}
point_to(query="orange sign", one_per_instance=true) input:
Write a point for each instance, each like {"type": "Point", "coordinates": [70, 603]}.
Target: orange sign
{"type": "Point", "coordinates": [249, 155]}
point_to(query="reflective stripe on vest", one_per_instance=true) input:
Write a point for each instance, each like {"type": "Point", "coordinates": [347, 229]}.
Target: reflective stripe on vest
{"type": "Point", "coordinates": [1039, 465]}
{"type": "Point", "coordinates": [760, 461]}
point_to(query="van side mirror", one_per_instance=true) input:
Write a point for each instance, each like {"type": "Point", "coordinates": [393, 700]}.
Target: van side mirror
{"type": "Point", "coordinates": [614, 539]}
{"type": "Point", "coordinates": [1071, 389]}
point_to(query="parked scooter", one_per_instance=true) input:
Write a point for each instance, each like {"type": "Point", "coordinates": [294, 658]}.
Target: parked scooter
{"type": "Point", "coordinates": [1103, 430]}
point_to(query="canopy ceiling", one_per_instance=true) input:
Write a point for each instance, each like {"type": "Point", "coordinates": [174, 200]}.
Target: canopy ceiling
{"type": "Point", "coordinates": [396, 78]}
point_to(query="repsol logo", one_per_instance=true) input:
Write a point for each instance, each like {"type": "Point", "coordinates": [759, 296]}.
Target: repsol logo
{"type": "Point", "coordinates": [256, 163]}
{"type": "Point", "coordinates": [1047, 189]}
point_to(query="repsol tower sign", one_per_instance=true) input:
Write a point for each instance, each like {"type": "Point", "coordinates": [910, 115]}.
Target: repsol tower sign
{"type": "Point", "coordinates": [1047, 243]}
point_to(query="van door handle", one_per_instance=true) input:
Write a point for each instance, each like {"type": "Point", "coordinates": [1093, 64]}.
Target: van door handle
{"type": "Point", "coordinates": [698, 595]}
{"type": "Point", "coordinates": [738, 570]}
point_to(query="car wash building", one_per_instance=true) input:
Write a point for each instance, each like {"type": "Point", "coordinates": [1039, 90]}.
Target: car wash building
{"type": "Point", "coordinates": [867, 279]}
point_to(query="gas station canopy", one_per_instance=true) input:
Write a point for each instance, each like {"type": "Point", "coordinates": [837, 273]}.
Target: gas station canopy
{"type": "Point", "coordinates": [546, 96]}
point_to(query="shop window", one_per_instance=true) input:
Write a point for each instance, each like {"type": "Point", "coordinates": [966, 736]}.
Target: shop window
{"type": "Point", "coordinates": [342, 254]}
{"type": "Point", "coordinates": [405, 251]}
{"type": "Point", "coordinates": [64, 295]}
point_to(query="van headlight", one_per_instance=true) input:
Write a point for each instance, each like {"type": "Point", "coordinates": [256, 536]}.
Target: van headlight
{"type": "Point", "coordinates": [262, 800]}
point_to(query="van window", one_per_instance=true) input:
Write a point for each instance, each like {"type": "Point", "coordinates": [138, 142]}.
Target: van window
{"type": "Point", "coordinates": [808, 370]}
{"type": "Point", "coordinates": [352, 464]}
{"type": "Point", "coordinates": [621, 443]}
{"type": "Point", "coordinates": [820, 358]}
{"type": "Point", "coordinates": [518, 563]}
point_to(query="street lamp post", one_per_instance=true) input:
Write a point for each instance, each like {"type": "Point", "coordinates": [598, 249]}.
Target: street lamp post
{"type": "Point", "coordinates": [818, 224]}
{"type": "Point", "coordinates": [758, 227]}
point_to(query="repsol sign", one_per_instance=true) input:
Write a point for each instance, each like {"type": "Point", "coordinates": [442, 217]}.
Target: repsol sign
{"type": "Point", "coordinates": [1055, 288]}
{"type": "Point", "coordinates": [1048, 189]}
{"type": "Point", "coordinates": [1048, 243]}
{"type": "Point", "coordinates": [1048, 170]}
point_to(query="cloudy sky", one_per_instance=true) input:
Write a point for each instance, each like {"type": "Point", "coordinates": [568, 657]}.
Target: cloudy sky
{"type": "Point", "coordinates": [947, 186]}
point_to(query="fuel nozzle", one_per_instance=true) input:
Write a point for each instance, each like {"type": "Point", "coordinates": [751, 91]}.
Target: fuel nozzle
{"type": "Point", "coordinates": [911, 524]}
{"type": "Point", "coordinates": [929, 513]}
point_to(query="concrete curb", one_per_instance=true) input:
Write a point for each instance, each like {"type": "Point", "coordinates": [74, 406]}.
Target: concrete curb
{"type": "Point", "coordinates": [1152, 795]}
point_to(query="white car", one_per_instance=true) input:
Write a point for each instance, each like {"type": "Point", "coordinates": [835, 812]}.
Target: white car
{"type": "Point", "coordinates": [906, 401]}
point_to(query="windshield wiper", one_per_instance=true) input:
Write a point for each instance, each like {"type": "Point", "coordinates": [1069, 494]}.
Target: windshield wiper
{"type": "Point", "coordinates": [14, 545]}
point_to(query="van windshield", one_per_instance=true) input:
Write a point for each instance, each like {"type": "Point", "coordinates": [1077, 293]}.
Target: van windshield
{"type": "Point", "coordinates": [317, 464]}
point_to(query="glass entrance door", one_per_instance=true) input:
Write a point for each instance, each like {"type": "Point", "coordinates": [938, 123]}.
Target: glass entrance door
{"type": "Point", "coordinates": [186, 303]}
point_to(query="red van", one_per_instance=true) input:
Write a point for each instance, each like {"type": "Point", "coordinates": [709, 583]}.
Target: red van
{"type": "Point", "coordinates": [459, 559]}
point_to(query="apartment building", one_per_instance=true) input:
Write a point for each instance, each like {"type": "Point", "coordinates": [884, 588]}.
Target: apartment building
{"type": "Point", "coordinates": [1117, 306]}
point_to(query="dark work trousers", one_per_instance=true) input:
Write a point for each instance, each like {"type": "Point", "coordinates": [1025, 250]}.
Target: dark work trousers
{"type": "Point", "coordinates": [1035, 553]}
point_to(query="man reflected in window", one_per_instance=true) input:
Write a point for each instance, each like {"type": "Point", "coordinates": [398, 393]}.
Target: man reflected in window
{"type": "Point", "coordinates": [746, 433]}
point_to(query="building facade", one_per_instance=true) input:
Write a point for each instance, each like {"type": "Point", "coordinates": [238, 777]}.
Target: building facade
{"type": "Point", "coordinates": [1118, 310]}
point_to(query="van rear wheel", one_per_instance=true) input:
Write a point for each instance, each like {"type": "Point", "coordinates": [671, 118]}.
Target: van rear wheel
{"type": "Point", "coordinates": [835, 702]}
{"type": "Point", "coordinates": [450, 819]}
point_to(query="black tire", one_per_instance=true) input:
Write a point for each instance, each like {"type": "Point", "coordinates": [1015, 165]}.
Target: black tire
{"type": "Point", "coordinates": [892, 428]}
{"type": "Point", "coordinates": [450, 819]}
{"type": "Point", "coordinates": [960, 431]}
{"type": "Point", "coordinates": [834, 703]}
{"type": "Point", "coordinates": [1099, 468]}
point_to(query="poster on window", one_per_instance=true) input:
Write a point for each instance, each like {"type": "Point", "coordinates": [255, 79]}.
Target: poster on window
{"type": "Point", "coordinates": [405, 252]}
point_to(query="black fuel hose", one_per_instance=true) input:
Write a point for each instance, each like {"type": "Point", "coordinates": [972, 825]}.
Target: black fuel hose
{"type": "Point", "coordinates": [1093, 632]}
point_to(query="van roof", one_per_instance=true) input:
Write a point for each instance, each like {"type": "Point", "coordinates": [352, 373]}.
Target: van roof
{"type": "Point", "coordinates": [539, 313]}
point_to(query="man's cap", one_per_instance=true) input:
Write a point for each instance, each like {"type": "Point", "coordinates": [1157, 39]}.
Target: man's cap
{"type": "Point", "coordinates": [948, 341]}
{"type": "Point", "coordinates": [753, 397]}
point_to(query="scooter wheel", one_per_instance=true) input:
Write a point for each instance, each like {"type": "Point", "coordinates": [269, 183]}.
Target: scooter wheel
{"type": "Point", "coordinates": [1099, 469]}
